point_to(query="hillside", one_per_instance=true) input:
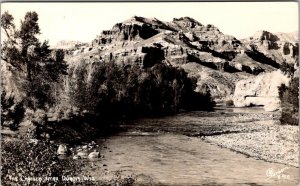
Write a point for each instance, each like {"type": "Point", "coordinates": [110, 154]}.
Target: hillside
{"type": "Point", "coordinates": [217, 60]}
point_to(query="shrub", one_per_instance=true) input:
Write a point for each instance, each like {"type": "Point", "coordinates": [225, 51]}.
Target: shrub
{"type": "Point", "coordinates": [229, 102]}
{"type": "Point", "coordinates": [288, 116]}
{"type": "Point", "coordinates": [287, 68]}
{"type": "Point", "coordinates": [11, 112]}
{"type": "Point", "coordinates": [290, 102]}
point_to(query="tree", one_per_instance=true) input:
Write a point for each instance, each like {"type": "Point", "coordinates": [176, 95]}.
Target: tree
{"type": "Point", "coordinates": [113, 92]}
{"type": "Point", "coordinates": [289, 97]}
{"type": "Point", "coordinates": [41, 66]}
{"type": "Point", "coordinates": [9, 50]}
{"type": "Point", "coordinates": [287, 68]}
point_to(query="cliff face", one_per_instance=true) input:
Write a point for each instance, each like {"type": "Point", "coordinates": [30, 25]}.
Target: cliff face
{"type": "Point", "coordinates": [221, 60]}
{"type": "Point", "coordinates": [280, 47]}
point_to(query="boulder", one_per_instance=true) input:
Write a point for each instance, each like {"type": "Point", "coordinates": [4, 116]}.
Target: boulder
{"type": "Point", "coordinates": [94, 154]}
{"type": "Point", "coordinates": [62, 149]}
{"type": "Point", "coordinates": [261, 90]}
{"type": "Point", "coordinates": [82, 154]}
{"type": "Point", "coordinates": [76, 157]}
{"type": "Point", "coordinates": [33, 141]}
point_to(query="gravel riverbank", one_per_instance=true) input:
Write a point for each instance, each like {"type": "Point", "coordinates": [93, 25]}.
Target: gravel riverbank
{"type": "Point", "coordinates": [269, 141]}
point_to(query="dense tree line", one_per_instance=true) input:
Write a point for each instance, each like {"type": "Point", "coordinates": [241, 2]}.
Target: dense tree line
{"type": "Point", "coordinates": [114, 91]}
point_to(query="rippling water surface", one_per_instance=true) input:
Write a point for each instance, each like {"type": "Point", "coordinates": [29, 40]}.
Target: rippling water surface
{"type": "Point", "coordinates": [176, 159]}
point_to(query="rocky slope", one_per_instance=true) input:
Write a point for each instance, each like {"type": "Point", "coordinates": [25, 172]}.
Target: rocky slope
{"type": "Point", "coordinates": [279, 47]}
{"type": "Point", "coordinates": [217, 60]}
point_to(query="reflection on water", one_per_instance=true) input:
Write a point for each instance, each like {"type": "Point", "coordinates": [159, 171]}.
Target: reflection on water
{"type": "Point", "coordinates": [255, 109]}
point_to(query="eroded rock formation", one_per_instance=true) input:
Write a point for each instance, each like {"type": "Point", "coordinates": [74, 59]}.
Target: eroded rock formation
{"type": "Point", "coordinates": [260, 90]}
{"type": "Point", "coordinates": [222, 59]}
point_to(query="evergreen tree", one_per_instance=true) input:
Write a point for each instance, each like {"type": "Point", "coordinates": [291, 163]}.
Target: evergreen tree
{"type": "Point", "coordinates": [41, 66]}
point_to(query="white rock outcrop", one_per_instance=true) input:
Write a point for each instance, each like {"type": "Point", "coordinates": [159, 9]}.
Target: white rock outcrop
{"type": "Point", "coordinates": [260, 90]}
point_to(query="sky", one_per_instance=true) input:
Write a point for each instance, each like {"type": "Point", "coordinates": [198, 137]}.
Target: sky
{"type": "Point", "coordinates": [83, 21]}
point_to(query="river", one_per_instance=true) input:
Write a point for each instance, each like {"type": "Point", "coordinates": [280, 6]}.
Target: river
{"type": "Point", "coordinates": [171, 151]}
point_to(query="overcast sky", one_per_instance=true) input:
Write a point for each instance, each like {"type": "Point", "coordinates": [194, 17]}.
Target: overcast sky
{"type": "Point", "coordinates": [83, 21]}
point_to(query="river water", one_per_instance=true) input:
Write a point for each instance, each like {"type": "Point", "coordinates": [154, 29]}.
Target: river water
{"type": "Point", "coordinates": [159, 151]}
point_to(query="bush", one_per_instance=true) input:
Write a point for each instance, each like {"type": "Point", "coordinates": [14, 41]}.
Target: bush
{"type": "Point", "coordinates": [229, 102]}
{"type": "Point", "coordinates": [290, 102]}
{"type": "Point", "coordinates": [289, 116]}
{"type": "Point", "coordinates": [11, 112]}
{"type": "Point", "coordinates": [287, 68]}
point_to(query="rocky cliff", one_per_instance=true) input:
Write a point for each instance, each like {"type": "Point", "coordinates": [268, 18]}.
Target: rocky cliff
{"type": "Point", "coordinates": [278, 48]}
{"type": "Point", "coordinates": [217, 60]}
